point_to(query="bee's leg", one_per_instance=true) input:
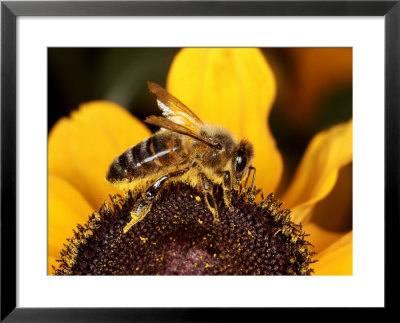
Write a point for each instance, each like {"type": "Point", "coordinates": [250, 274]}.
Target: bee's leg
{"type": "Point", "coordinates": [250, 192]}
{"type": "Point", "coordinates": [209, 198]}
{"type": "Point", "coordinates": [247, 178]}
{"type": "Point", "coordinates": [254, 177]}
{"type": "Point", "coordinates": [143, 206]}
{"type": "Point", "coordinates": [227, 189]}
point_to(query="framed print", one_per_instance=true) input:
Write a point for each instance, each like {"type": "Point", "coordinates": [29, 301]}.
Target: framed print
{"type": "Point", "coordinates": [167, 160]}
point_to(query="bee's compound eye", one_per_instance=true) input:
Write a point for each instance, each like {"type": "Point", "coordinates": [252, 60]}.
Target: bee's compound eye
{"type": "Point", "coordinates": [240, 160]}
{"type": "Point", "coordinates": [218, 146]}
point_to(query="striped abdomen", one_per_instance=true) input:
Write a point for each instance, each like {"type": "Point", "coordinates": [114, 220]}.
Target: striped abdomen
{"type": "Point", "coordinates": [162, 150]}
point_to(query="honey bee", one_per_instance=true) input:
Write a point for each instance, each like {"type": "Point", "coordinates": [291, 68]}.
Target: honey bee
{"type": "Point", "coordinates": [185, 150]}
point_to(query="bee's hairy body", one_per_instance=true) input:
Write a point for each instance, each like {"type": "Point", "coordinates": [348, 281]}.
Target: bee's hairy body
{"type": "Point", "coordinates": [188, 151]}
{"type": "Point", "coordinates": [165, 152]}
{"type": "Point", "coordinates": [152, 157]}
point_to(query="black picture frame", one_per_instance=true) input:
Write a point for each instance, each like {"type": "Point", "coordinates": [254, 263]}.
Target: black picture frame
{"type": "Point", "coordinates": [11, 10]}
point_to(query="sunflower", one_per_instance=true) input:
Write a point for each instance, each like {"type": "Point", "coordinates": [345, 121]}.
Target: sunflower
{"type": "Point", "coordinates": [234, 88]}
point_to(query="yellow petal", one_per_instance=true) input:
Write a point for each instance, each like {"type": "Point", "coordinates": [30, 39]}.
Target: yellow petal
{"type": "Point", "coordinates": [51, 261]}
{"type": "Point", "coordinates": [82, 147]}
{"type": "Point", "coordinates": [319, 237]}
{"type": "Point", "coordinates": [234, 88]}
{"type": "Point", "coordinates": [335, 211]}
{"type": "Point", "coordinates": [337, 259]}
{"type": "Point", "coordinates": [317, 173]}
{"type": "Point", "coordinates": [67, 207]}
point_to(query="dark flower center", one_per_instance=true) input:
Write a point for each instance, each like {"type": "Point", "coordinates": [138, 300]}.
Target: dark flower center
{"type": "Point", "coordinates": [179, 237]}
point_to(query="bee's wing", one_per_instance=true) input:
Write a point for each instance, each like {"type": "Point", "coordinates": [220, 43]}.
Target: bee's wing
{"type": "Point", "coordinates": [170, 125]}
{"type": "Point", "coordinates": [175, 110]}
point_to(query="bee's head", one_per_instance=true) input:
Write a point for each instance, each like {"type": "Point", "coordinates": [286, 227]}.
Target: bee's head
{"type": "Point", "coordinates": [242, 158]}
